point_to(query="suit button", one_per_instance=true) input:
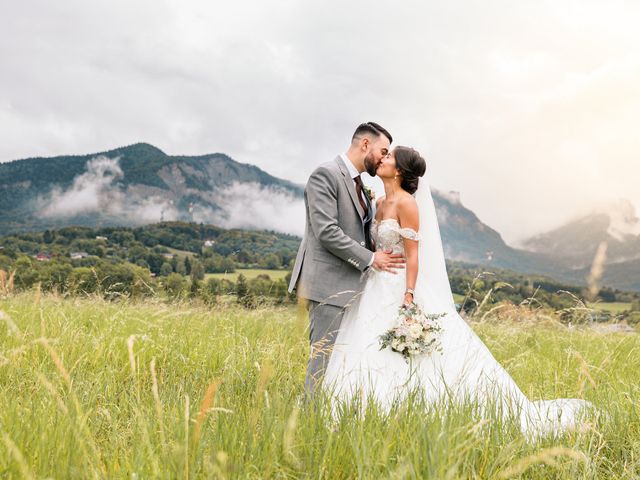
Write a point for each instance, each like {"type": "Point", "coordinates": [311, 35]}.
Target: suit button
{"type": "Point", "coordinates": [362, 243]}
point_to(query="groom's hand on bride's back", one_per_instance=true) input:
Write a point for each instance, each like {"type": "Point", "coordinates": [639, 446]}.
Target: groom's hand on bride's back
{"type": "Point", "coordinates": [388, 261]}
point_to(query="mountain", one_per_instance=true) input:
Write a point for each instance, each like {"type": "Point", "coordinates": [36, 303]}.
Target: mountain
{"type": "Point", "coordinates": [133, 185]}
{"type": "Point", "coordinates": [565, 254]}
{"type": "Point", "coordinates": [140, 184]}
{"type": "Point", "coordinates": [577, 241]}
{"type": "Point", "coordinates": [575, 244]}
{"type": "Point", "coordinates": [466, 238]}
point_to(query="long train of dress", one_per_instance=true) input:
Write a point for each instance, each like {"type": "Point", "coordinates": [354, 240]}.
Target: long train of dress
{"type": "Point", "coordinates": [465, 370]}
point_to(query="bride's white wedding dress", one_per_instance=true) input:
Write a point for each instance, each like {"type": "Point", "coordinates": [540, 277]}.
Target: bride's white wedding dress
{"type": "Point", "coordinates": [465, 370]}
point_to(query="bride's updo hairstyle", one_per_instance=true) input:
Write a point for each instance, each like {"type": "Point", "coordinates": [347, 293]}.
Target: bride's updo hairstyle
{"type": "Point", "coordinates": [411, 166]}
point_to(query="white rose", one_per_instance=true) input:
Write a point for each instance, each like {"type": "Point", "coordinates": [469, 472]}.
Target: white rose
{"type": "Point", "coordinates": [415, 330]}
{"type": "Point", "coordinates": [402, 331]}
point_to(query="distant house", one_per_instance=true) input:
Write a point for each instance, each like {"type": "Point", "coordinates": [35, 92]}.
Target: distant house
{"type": "Point", "coordinates": [78, 255]}
{"type": "Point", "coordinates": [168, 256]}
{"type": "Point", "coordinates": [43, 257]}
{"type": "Point", "coordinates": [99, 237]}
{"type": "Point", "coordinates": [209, 243]}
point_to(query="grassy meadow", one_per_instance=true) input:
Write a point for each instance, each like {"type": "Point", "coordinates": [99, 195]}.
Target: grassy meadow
{"type": "Point", "coordinates": [249, 273]}
{"type": "Point", "coordinates": [96, 389]}
{"type": "Point", "coordinates": [613, 307]}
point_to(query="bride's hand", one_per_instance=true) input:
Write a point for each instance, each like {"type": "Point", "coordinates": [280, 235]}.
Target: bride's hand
{"type": "Point", "coordinates": [408, 300]}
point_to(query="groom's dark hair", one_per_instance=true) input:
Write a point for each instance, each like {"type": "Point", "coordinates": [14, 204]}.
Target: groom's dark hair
{"type": "Point", "coordinates": [372, 128]}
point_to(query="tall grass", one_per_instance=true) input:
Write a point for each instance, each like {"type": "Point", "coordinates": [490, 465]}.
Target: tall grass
{"type": "Point", "coordinates": [92, 389]}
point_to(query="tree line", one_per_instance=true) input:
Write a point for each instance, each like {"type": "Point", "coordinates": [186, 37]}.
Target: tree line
{"type": "Point", "coordinates": [173, 259]}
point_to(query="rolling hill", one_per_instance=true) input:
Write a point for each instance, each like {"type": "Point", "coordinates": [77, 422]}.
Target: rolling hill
{"type": "Point", "coordinates": [140, 184]}
{"type": "Point", "coordinates": [133, 185]}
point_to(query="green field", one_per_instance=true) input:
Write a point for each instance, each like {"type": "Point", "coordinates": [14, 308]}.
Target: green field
{"type": "Point", "coordinates": [91, 389]}
{"type": "Point", "coordinates": [180, 253]}
{"type": "Point", "coordinates": [249, 273]}
{"type": "Point", "coordinates": [613, 307]}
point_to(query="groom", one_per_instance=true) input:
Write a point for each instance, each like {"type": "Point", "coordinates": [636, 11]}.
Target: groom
{"type": "Point", "coordinates": [337, 248]}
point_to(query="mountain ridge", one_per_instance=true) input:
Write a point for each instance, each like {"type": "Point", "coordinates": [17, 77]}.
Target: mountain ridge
{"type": "Point", "coordinates": [139, 183]}
{"type": "Point", "coordinates": [577, 240]}
{"type": "Point", "coordinates": [182, 186]}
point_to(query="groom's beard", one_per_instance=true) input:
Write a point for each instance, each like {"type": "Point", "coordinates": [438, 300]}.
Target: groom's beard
{"type": "Point", "coordinates": [370, 165]}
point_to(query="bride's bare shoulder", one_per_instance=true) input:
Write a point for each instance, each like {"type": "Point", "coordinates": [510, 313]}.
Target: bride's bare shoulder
{"type": "Point", "coordinates": [407, 201]}
{"type": "Point", "coordinates": [407, 209]}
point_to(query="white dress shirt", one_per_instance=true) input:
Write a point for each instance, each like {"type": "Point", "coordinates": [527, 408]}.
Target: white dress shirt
{"type": "Point", "coordinates": [353, 171]}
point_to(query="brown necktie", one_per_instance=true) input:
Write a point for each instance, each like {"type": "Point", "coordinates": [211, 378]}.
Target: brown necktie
{"type": "Point", "coordinates": [359, 189]}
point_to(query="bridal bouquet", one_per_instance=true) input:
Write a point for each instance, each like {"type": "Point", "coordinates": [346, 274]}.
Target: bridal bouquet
{"type": "Point", "coordinates": [415, 332]}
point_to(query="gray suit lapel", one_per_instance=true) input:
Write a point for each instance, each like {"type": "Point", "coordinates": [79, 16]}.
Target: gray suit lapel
{"type": "Point", "coordinates": [350, 186]}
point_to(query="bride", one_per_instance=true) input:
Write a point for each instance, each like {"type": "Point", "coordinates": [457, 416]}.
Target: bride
{"type": "Point", "coordinates": [464, 369]}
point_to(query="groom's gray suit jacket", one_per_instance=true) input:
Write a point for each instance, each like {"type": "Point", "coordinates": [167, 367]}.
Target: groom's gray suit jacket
{"type": "Point", "coordinates": [334, 251]}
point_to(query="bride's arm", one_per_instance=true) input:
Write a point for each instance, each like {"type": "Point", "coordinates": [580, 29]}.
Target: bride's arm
{"type": "Point", "coordinates": [408, 218]}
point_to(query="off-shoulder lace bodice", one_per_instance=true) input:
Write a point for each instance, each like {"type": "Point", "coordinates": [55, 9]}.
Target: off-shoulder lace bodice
{"type": "Point", "coordinates": [388, 234]}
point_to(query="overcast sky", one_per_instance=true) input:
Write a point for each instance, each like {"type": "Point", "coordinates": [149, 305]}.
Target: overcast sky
{"type": "Point", "coordinates": [530, 109]}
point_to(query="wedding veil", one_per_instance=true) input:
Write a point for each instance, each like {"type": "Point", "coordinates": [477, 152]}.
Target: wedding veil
{"type": "Point", "coordinates": [433, 290]}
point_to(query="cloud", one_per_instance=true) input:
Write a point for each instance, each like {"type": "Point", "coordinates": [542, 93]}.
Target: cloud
{"type": "Point", "coordinates": [98, 192]}
{"type": "Point", "coordinates": [254, 206]}
{"type": "Point", "coordinates": [527, 108]}
{"type": "Point", "coordinates": [92, 191]}
{"type": "Point", "coordinates": [624, 220]}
